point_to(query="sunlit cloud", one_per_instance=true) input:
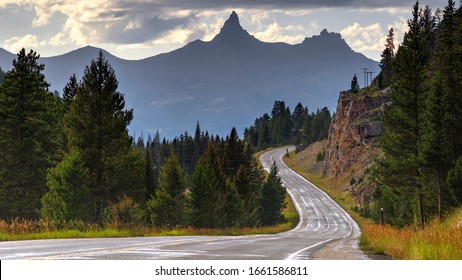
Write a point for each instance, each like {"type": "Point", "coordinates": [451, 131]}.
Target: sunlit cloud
{"type": "Point", "coordinates": [291, 34]}
{"type": "Point", "coordinates": [162, 25]}
{"type": "Point", "coordinates": [364, 38]}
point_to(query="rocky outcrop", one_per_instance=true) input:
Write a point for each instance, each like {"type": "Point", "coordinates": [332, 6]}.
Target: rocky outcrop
{"type": "Point", "coordinates": [354, 130]}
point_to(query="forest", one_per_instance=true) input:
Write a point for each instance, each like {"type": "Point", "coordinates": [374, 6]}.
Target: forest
{"type": "Point", "coordinates": [71, 158]}
{"type": "Point", "coordinates": [419, 176]}
{"type": "Point", "coordinates": [283, 127]}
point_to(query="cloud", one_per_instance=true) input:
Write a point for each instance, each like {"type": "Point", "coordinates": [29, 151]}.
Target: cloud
{"type": "Point", "coordinates": [287, 4]}
{"type": "Point", "coordinates": [173, 100]}
{"type": "Point", "coordinates": [168, 24]}
{"type": "Point", "coordinates": [291, 34]}
{"type": "Point", "coordinates": [14, 44]}
{"type": "Point", "coordinates": [364, 38]}
{"type": "Point", "coordinates": [400, 28]}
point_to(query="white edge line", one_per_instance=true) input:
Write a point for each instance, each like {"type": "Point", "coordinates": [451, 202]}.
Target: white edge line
{"type": "Point", "coordinates": [294, 255]}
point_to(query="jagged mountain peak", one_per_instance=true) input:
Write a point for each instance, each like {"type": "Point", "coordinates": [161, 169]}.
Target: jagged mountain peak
{"type": "Point", "coordinates": [232, 30]}
{"type": "Point", "coordinates": [324, 36]}
{"type": "Point", "coordinates": [233, 21]}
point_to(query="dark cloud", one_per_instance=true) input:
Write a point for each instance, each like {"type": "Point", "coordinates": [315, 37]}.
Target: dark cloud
{"type": "Point", "coordinates": [136, 30]}
{"type": "Point", "coordinates": [283, 4]}
{"type": "Point", "coordinates": [149, 22]}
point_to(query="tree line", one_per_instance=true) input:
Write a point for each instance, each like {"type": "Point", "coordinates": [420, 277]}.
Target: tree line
{"type": "Point", "coordinates": [420, 175]}
{"type": "Point", "coordinates": [71, 158]}
{"type": "Point", "coordinates": [284, 127]}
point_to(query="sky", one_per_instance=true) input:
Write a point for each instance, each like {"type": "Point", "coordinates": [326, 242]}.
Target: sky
{"type": "Point", "coordinates": [136, 29]}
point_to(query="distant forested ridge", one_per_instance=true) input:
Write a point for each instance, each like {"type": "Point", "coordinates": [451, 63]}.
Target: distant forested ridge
{"type": "Point", "coordinates": [284, 127]}
{"type": "Point", "coordinates": [71, 158]}
{"type": "Point", "coordinates": [420, 175]}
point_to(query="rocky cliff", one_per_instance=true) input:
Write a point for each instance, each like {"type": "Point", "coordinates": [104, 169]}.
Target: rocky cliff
{"type": "Point", "coordinates": [353, 142]}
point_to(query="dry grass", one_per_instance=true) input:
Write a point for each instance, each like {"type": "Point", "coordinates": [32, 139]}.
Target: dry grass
{"type": "Point", "coordinates": [438, 241]}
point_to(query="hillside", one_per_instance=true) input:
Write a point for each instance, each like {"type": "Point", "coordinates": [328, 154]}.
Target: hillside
{"type": "Point", "coordinates": [352, 145]}
{"type": "Point", "coordinates": [222, 83]}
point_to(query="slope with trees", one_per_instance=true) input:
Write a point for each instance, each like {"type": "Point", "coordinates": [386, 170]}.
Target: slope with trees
{"type": "Point", "coordinates": [284, 127]}
{"type": "Point", "coordinates": [419, 175]}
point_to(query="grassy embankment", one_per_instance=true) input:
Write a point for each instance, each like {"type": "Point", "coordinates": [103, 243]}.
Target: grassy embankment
{"type": "Point", "coordinates": [39, 229]}
{"type": "Point", "coordinates": [438, 241]}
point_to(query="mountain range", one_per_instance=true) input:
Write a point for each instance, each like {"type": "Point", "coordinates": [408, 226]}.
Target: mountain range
{"type": "Point", "coordinates": [223, 83]}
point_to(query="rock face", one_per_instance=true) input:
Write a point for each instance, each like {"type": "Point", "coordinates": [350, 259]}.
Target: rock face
{"type": "Point", "coordinates": [354, 131]}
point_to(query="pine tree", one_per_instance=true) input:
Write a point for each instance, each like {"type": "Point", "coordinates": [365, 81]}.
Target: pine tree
{"type": "Point", "coordinates": [386, 61]}
{"type": "Point", "coordinates": [272, 199]}
{"type": "Point", "coordinates": [149, 177]}
{"type": "Point", "coordinates": [402, 121]}
{"type": "Point", "coordinates": [2, 76]}
{"type": "Point", "coordinates": [96, 127]}
{"type": "Point", "coordinates": [454, 180]}
{"type": "Point", "coordinates": [27, 140]}
{"type": "Point", "coordinates": [233, 153]}
{"type": "Point", "coordinates": [205, 191]}
{"type": "Point", "coordinates": [68, 196]}
{"type": "Point", "coordinates": [354, 84]}
{"type": "Point", "coordinates": [168, 206]}
{"type": "Point", "coordinates": [248, 181]}
{"type": "Point", "coordinates": [232, 209]}
{"type": "Point", "coordinates": [433, 147]}
{"type": "Point", "coordinates": [69, 92]}
{"type": "Point", "coordinates": [449, 64]}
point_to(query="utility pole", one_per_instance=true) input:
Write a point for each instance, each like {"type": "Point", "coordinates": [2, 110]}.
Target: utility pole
{"type": "Point", "coordinates": [365, 76]}
{"type": "Point", "coordinates": [370, 72]}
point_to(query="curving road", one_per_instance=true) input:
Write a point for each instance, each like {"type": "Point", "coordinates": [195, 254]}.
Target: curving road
{"type": "Point", "coordinates": [322, 222]}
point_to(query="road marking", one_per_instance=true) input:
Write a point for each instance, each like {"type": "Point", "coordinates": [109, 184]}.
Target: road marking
{"type": "Point", "coordinates": [118, 250]}
{"type": "Point", "coordinates": [294, 255]}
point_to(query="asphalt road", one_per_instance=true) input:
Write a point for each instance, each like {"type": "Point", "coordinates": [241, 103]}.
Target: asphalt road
{"type": "Point", "coordinates": [322, 222]}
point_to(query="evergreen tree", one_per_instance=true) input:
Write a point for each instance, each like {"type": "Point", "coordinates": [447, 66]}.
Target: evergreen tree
{"type": "Point", "coordinates": [386, 61]}
{"type": "Point", "coordinates": [232, 208]}
{"type": "Point", "coordinates": [248, 181]}
{"type": "Point", "coordinates": [449, 63]}
{"type": "Point", "coordinates": [354, 85]}
{"type": "Point", "coordinates": [167, 208]}
{"type": "Point", "coordinates": [68, 196]}
{"type": "Point", "coordinates": [69, 92]}
{"type": "Point", "coordinates": [281, 126]}
{"type": "Point", "coordinates": [402, 122]}
{"type": "Point", "coordinates": [149, 177]}
{"type": "Point", "coordinates": [273, 199]}
{"type": "Point", "coordinates": [433, 146]}
{"type": "Point", "coordinates": [205, 191]}
{"type": "Point", "coordinates": [454, 180]}
{"type": "Point", "coordinates": [2, 76]}
{"type": "Point", "coordinates": [233, 153]}
{"type": "Point", "coordinates": [96, 127]}
{"type": "Point", "coordinates": [27, 140]}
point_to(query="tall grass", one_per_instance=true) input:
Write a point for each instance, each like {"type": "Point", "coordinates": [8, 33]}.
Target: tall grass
{"type": "Point", "coordinates": [438, 241]}
{"type": "Point", "coordinates": [21, 229]}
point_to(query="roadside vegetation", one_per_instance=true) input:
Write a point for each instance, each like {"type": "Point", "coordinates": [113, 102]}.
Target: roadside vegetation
{"type": "Point", "coordinates": [22, 229]}
{"type": "Point", "coordinates": [438, 241]}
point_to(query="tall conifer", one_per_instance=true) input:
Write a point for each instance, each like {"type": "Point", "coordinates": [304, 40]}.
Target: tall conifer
{"type": "Point", "coordinates": [402, 121]}
{"type": "Point", "coordinates": [96, 127]}
{"type": "Point", "coordinates": [27, 137]}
